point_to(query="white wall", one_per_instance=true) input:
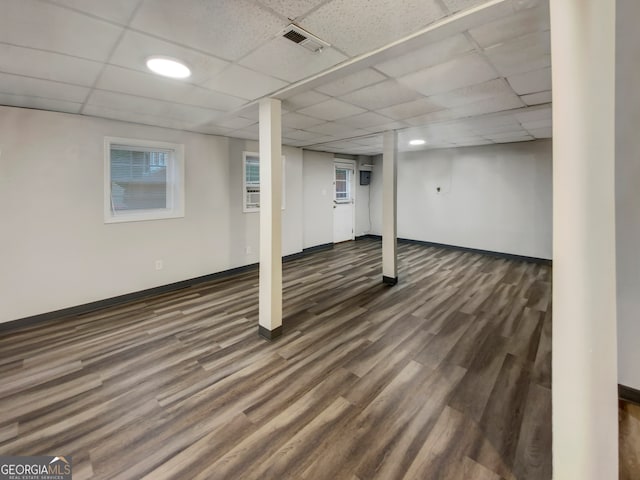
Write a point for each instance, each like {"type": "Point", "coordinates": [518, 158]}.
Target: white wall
{"type": "Point", "coordinates": [318, 197]}
{"type": "Point", "coordinates": [494, 197]}
{"type": "Point", "coordinates": [55, 250]}
{"type": "Point", "coordinates": [627, 191]}
{"type": "Point", "coordinates": [317, 178]}
{"type": "Point", "coordinates": [245, 226]}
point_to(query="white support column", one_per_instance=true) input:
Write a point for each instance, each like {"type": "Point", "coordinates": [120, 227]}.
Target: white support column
{"type": "Point", "coordinates": [584, 389]}
{"type": "Point", "coordinates": [389, 207]}
{"type": "Point", "coordinates": [270, 296]}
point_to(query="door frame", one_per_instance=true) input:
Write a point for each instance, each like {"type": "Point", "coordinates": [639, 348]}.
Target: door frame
{"type": "Point", "coordinates": [351, 164]}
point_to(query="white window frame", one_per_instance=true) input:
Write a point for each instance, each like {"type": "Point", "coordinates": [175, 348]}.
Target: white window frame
{"type": "Point", "coordinates": [350, 183]}
{"type": "Point", "coordinates": [245, 208]}
{"type": "Point", "coordinates": [175, 182]}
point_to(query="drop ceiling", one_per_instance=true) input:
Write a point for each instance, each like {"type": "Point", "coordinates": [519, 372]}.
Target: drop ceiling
{"type": "Point", "coordinates": [453, 72]}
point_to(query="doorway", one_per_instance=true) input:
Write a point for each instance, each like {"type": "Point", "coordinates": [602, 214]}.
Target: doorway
{"type": "Point", "coordinates": [343, 201]}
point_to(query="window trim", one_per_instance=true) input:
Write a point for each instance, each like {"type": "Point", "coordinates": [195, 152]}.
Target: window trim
{"type": "Point", "coordinates": [350, 181]}
{"type": "Point", "coordinates": [246, 154]}
{"type": "Point", "coordinates": [245, 208]}
{"type": "Point", "coordinates": [175, 182]}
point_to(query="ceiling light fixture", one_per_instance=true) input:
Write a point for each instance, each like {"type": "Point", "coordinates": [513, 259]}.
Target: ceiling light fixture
{"type": "Point", "coordinates": [168, 67]}
{"type": "Point", "coordinates": [417, 142]}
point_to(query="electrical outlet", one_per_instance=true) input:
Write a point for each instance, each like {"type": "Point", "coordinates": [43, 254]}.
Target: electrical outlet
{"type": "Point", "coordinates": [247, 250]}
{"type": "Point", "coordinates": [158, 264]}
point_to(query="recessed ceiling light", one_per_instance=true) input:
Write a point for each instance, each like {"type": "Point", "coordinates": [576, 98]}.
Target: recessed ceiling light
{"type": "Point", "coordinates": [168, 67]}
{"type": "Point", "coordinates": [417, 141]}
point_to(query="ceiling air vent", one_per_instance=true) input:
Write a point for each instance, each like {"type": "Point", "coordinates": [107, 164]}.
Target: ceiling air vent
{"type": "Point", "coordinates": [303, 38]}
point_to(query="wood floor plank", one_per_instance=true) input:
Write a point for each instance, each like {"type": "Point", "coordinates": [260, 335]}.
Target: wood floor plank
{"type": "Point", "coordinates": [502, 419]}
{"type": "Point", "coordinates": [531, 461]}
{"type": "Point", "coordinates": [629, 426]}
{"type": "Point", "coordinates": [444, 376]}
{"type": "Point", "coordinates": [476, 471]}
{"type": "Point", "coordinates": [404, 442]}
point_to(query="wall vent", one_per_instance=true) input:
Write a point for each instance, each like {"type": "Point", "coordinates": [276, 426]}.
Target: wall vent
{"type": "Point", "coordinates": [303, 38]}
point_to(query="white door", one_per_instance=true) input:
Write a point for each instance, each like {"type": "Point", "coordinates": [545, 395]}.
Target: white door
{"type": "Point", "coordinates": [343, 202]}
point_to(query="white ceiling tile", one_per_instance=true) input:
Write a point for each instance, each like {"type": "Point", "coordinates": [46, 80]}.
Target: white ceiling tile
{"type": "Point", "coordinates": [490, 121]}
{"type": "Point", "coordinates": [152, 107]}
{"type": "Point", "coordinates": [118, 11]}
{"type": "Point", "coordinates": [303, 135]}
{"type": "Point", "coordinates": [497, 129]}
{"type": "Point", "coordinates": [457, 5]}
{"type": "Point", "coordinates": [117, 79]}
{"type": "Point", "coordinates": [235, 123]}
{"type": "Point", "coordinates": [304, 99]}
{"type": "Point", "coordinates": [134, 49]}
{"type": "Point", "coordinates": [227, 29]}
{"type": "Point", "coordinates": [251, 112]}
{"type": "Point", "coordinates": [472, 93]}
{"type": "Point", "coordinates": [284, 59]}
{"type": "Point", "coordinates": [523, 138]}
{"type": "Point", "coordinates": [477, 144]}
{"type": "Point", "coordinates": [411, 109]}
{"type": "Point", "coordinates": [133, 117]}
{"type": "Point", "coordinates": [545, 132]}
{"type": "Point", "coordinates": [387, 126]}
{"type": "Point", "coordinates": [244, 83]}
{"type": "Point", "coordinates": [489, 105]}
{"type": "Point", "coordinates": [536, 124]}
{"type": "Point", "coordinates": [381, 95]}
{"type": "Point", "coordinates": [255, 128]}
{"type": "Point", "coordinates": [433, 131]}
{"type": "Point", "coordinates": [244, 133]}
{"type": "Point", "coordinates": [332, 109]}
{"type": "Point", "coordinates": [372, 141]}
{"type": "Point", "coordinates": [533, 114]}
{"type": "Point", "coordinates": [516, 133]}
{"type": "Point", "coordinates": [322, 148]}
{"type": "Point", "coordinates": [358, 26]}
{"type": "Point", "coordinates": [338, 130]}
{"type": "Point", "coordinates": [457, 73]}
{"type": "Point", "coordinates": [427, 56]}
{"type": "Point", "coordinates": [365, 150]}
{"type": "Point", "coordinates": [295, 120]}
{"type": "Point", "coordinates": [537, 98]}
{"type": "Point", "coordinates": [289, 142]}
{"type": "Point", "coordinates": [48, 66]}
{"type": "Point", "coordinates": [471, 141]}
{"type": "Point", "coordinates": [34, 87]}
{"type": "Point", "coordinates": [450, 130]}
{"type": "Point", "coordinates": [35, 24]}
{"type": "Point", "coordinates": [512, 26]}
{"type": "Point", "coordinates": [524, 54]}
{"type": "Point", "coordinates": [319, 139]}
{"type": "Point", "coordinates": [438, 116]}
{"type": "Point", "coordinates": [39, 103]}
{"type": "Point", "coordinates": [531, 82]}
{"type": "Point", "coordinates": [211, 129]}
{"type": "Point", "coordinates": [343, 146]}
{"type": "Point", "coordinates": [351, 82]}
{"type": "Point", "coordinates": [365, 120]}
{"type": "Point", "coordinates": [292, 8]}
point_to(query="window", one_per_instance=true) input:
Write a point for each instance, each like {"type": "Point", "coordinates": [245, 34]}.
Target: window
{"type": "Point", "coordinates": [251, 182]}
{"type": "Point", "coordinates": [144, 180]}
{"type": "Point", "coordinates": [343, 185]}
{"type": "Point", "coordinates": [251, 178]}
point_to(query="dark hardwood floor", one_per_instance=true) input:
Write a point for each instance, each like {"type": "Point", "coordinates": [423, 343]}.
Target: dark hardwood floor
{"type": "Point", "coordinates": [443, 376]}
{"type": "Point", "coordinates": [629, 423]}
